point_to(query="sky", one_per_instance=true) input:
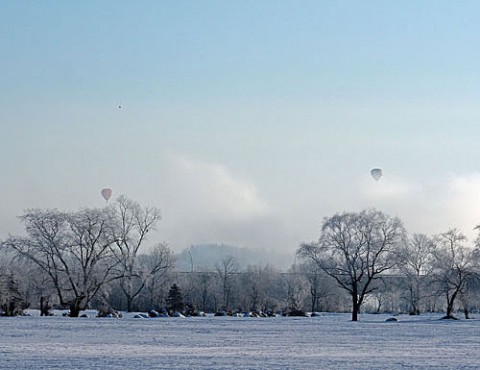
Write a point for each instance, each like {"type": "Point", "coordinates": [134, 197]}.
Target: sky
{"type": "Point", "coordinates": [245, 122]}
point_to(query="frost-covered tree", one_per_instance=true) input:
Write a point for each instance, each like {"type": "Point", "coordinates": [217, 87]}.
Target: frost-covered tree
{"type": "Point", "coordinates": [132, 225]}
{"type": "Point", "coordinates": [294, 291]}
{"type": "Point", "coordinates": [201, 290]}
{"type": "Point", "coordinates": [157, 265]}
{"type": "Point", "coordinates": [73, 249]}
{"type": "Point", "coordinates": [12, 301]}
{"type": "Point", "coordinates": [355, 249]}
{"type": "Point", "coordinates": [226, 269]}
{"type": "Point", "coordinates": [453, 266]}
{"type": "Point", "coordinates": [257, 285]}
{"type": "Point", "coordinates": [318, 284]}
{"type": "Point", "coordinates": [415, 263]}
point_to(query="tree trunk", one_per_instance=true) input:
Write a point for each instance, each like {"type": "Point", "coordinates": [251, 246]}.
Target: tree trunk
{"type": "Point", "coordinates": [129, 303]}
{"type": "Point", "coordinates": [204, 299]}
{"type": "Point", "coordinates": [450, 303]}
{"type": "Point", "coordinates": [44, 307]}
{"type": "Point", "coordinates": [77, 305]}
{"type": "Point", "coordinates": [355, 307]}
{"type": "Point", "coordinates": [74, 310]}
{"type": "Point", "coordinates": [465, 311]}
{"type": "Point", "coordinates": [464, 300]}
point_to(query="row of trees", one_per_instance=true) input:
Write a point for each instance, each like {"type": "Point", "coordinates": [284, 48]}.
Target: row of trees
{"type": "Point", "coordinates": [359, 249]}
{"type": "Point", "coordinates": [99, 258]}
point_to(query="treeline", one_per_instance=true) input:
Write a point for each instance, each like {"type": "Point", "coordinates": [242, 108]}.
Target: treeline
{"type": "Point", "coordinates": [366, 261]}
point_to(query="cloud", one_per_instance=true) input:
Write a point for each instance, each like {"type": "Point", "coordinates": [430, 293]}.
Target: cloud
{"type": "Point", "coordinates": [211, 189]}
{"type": "Point", "coordinates": [462, 201]}
{"type": "Point", "coordinates": [209, 203]}
{"type": "Point", "coordinates": [389, 189]}
{"type": "Point", "coordinates": [434, 207]}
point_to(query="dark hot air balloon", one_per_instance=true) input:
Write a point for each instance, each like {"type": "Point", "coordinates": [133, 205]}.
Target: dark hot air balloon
{"type": "Point", "coordinates": [106, 194]}
{"type": "Point", "coordinates": [376, 173]}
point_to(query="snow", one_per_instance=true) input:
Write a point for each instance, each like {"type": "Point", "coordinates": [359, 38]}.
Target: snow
{"type": "Point", "coordinates": [329, 341]}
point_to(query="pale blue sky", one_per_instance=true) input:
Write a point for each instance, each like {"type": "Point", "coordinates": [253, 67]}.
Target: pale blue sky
{"type": "Point", "coordinates": [246, 122]}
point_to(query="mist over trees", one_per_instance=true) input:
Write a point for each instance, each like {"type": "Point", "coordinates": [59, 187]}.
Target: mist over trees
{"type": "Point", "coordinates": [106, 259]}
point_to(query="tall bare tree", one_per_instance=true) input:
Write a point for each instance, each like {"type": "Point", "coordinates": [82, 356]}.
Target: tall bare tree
{"type": "Point", "coordinates": [256, 284]}
{"type": "Point", "coordinates": [416, 264]}
{"type": "Point", "coordinates": [453, 266]}
{"type": "Point", "coordinates": [133, 224]}
{"type": "Point", "coordinates": [73, 249]}
{"type": "Point", "coordinates": [225, 270]}
{"type": "Point", "coordinates": [319, 284]}
{"type": "Point", "coordinates": [201, 290]}
{"type": "Point", "coordinates": [294, 291]}
{"type": "Point", "coordinates": [155, 265]}
{"type": "Point", "coordinates": [355, 249]}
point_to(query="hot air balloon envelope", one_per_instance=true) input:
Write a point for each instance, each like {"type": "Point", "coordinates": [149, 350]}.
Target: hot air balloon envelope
{"type": "Point", "coordinates": [376, 173]}
{"type": "Point", "coordinates": [106, 194]}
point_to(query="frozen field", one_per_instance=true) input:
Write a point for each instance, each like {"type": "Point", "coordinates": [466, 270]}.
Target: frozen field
{"type": "Point", "coordinates": [327, 342]}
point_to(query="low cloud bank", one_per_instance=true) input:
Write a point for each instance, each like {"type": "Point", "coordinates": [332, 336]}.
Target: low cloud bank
{"type": "Point", "coordinates": [432, 207]}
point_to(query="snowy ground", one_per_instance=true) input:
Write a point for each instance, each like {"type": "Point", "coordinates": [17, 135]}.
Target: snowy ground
{"type": "Point", "coordinates": [330, 341]}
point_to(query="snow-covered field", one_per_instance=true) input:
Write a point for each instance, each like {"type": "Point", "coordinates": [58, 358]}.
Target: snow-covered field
{"type": "Point", "coordinates": [330, 341]}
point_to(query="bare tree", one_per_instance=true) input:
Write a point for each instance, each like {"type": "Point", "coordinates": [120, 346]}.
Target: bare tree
{"type": "Point", "coordinates": [155, 265]}
{"type": "Point", "coordinates": [294, 292]}
{"type": "Point", "coordinates": [73, 249]}
{"type": "Point", "coordinates": [318, 283]}
{"type": "Point", "coordinates": [257, 282]}
{"type": "Point", "coordinates": [225, 270]}
{"type": "Point", "coordinates": [355, 249]}
{"type": "Point", "coordinates": [201, 290]}
{"type": "Point", "coordinates": [453, 266]}
{"type": "Point", "coordinates": [19, 272]}
{"type": "Point", "coordinates": [133, 223]}
{"type": "Point", "coordinates": [415, 263]}
{"type": "Point", "coordinates": [12, 302]}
